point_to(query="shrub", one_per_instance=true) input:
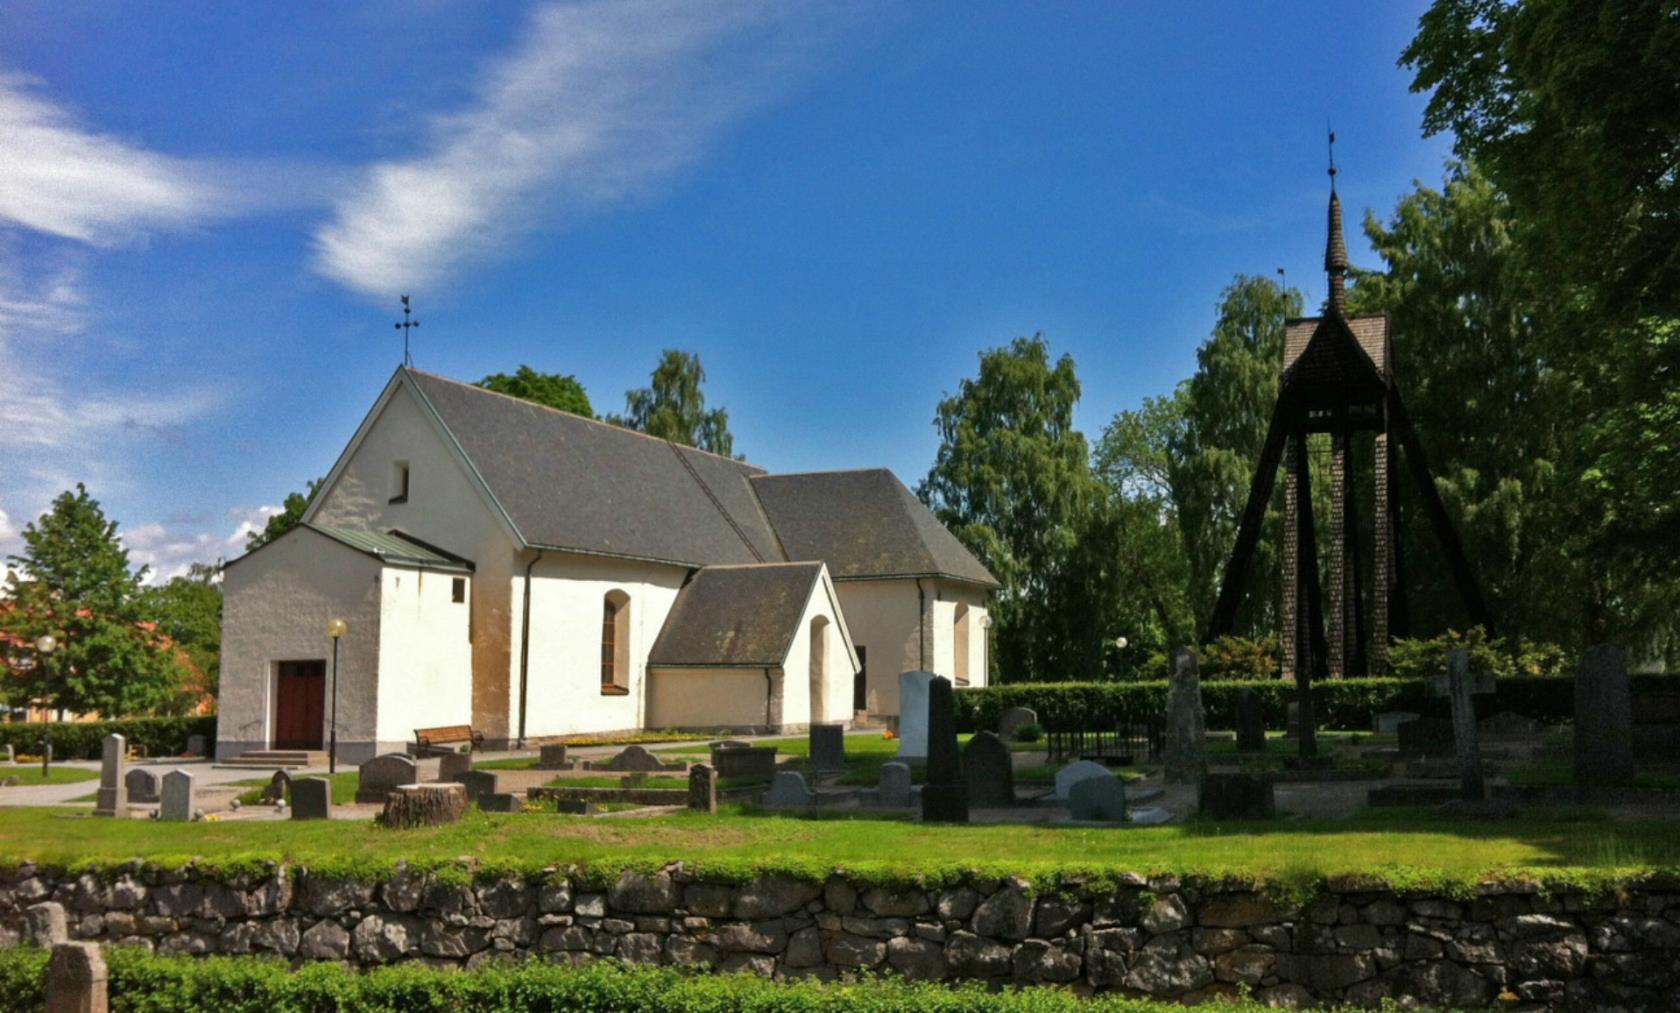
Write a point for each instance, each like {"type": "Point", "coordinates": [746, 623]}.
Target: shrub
{"type": "Point", "coordinates": [1029, 733]}
{"type": "Point", "coordinates": [1505, 658]}
{"type": "Point", "coordinates": [83, 740]}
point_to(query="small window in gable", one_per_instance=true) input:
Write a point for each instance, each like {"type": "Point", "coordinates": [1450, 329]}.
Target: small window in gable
{"type": "Point", "coordinates": [399, 481]}
{"type": "Point", "coordinates": [458, 590]}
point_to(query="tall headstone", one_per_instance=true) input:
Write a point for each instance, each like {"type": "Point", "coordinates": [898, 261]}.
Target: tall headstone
{"type": "Point", "coordinates": [702, 788]}
{"type": "Point", "coordinates": [894, 789]}
{"type": "Point", "coordinates": [989, 771]}
{"type": "Point", "coordinates": [828, 747]}
{"type": "Point", "coordinates": [176, 800]}
{"type": "Point", "coordinates": [383, 773]}
{"type": "Point", "coordinates": [945, 796]}
{"type": "Point", "coordinates": [1251, 721]}
{"type": "Point", "coordinates": [1603, 719]}
{"type": "Point", "coordinates": [913, 714]}
{"type": "Point", "coordinates": [77, 980]}
{"type": "Point", "coordinates": [311, 798]}
{"type": "Point", "coordinates": [113, 789]}
{"type": "Point", "coordinates": [142, 785]}
{"type": "Point", "coordinates": [1185, 760]}
{"type": "Point", "coordinates": [1461, 687]}
{"type": "Point", "coordinates": [1013, 720]}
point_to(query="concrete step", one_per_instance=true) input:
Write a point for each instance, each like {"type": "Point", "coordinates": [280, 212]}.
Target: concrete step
{"type": "Point", "coordinates": [270, 759]}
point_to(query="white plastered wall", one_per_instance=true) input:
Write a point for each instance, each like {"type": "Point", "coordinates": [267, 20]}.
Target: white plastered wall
{"type": "Point", "coordinates": [564, 678]}
{"type": "Point", "coordinates": [445, 508]}
{"type": "Point", "coordinates": [883, 616]}
{"type": "Point", "coordinates": [947, 597]}
{"type": "Point", "coordinates": [276, 604]}
{"type": "Point", "coordinates": [425, 656]}
{"type": "Point", "coordinates": [838, 665]}
{"type": "Point", "coordinates": [737, 699]}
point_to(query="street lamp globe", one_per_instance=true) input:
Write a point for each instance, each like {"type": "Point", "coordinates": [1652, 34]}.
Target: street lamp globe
{"type": "Point", "coordinates": [337, 628]}
{"type": "Point", "coordinates": [46, 643]}
{"type": "Point", "coordinates": [1121, 642]}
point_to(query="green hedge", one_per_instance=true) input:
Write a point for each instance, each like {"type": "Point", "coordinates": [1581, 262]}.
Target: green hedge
{"type": "Point", "coordinates": [82, 741]}
{"type": "Point", "coordinates": [141, 982]}
{"type": "Point", "coordinates": [1337, 703]}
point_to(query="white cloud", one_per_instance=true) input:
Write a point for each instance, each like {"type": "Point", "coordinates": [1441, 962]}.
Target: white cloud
{"type": "Point", "coordinates": [250, 520]}
{"type": "Point", "coordinates": [171, 548]}
{"type": "Point", "coordinates": [598, 102]}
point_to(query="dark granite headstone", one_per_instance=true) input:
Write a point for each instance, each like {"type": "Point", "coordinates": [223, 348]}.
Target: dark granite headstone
{"type": "Point", "coordinates": [479, 783]}
{"type": "Point", "coordinates": [575, 807]}
{"type": "Point", "coordinates": [989, 771]}
{"type": "Point", "coordinates": [702, 788]}
{"type": "Point", "coordinates": [788, 790]}
{"type": "Point", "coordinates": [828, 747]}
{"type": "Point", "coordinates": [142, 785]}
{"type": "Point", "coordinates": [1098, 798]}
{"type": "Point", "coordinates": [553, 757]}
{"type": "Point", "coordinates": [894, 788]}
{"type": "Point", "coordinates": [452, 765]}
{"type": "Point", "coordinates": [1237, 795]}
{"type": "Point", "coordinates": [1251, 721]}
{"type": "Point", "coordinates": [758, 762]}
{"type": "Point", "coordinates": [945, 796]}
{"type": "Point", "coordinates": [499, 802]}
{"type": "Point", "coordinates": [1185, 760]}
{"type": "Point", "coordinates": [311, 798]}
{"type": "Point", "coordinates": [631, 758]}
{"type": "Point", "coordinates": [1603, 719]}
{"type": "Point", "coordinates": [383, 773]}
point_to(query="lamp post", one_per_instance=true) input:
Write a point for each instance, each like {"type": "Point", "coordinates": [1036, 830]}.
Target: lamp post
{"type": "Point", "coordinates": [46, 644]}
{"type": "Point", "coordinates": [336, 628]}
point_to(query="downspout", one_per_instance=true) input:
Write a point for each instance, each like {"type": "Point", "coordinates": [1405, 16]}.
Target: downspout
{"type": "Point", "coordinates": [769, 698]}
{"type": "Point", "coordinates": [921, 626]}
{"type": "Point", "coordinates": [525, 643]}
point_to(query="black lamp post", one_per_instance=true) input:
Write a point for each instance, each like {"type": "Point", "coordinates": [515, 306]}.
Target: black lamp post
{"type": "Point", "coordinates": [336, 628]}
{"type": "Point", "coordinates": [46, 644]}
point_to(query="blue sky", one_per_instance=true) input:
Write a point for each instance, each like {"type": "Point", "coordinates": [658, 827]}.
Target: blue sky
{"type": "Point", "coordinates": [207, 212]}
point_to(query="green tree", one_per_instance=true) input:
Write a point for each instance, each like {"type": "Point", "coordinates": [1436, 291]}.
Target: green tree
{"type": "Point", "coordinates": [673, 407]}
{"type": "Point", "coordinates": [1013, 482]}
{"type": "Point", "coordinates": [556, 390]}
{"type": "Point", "coordinates": [188, 610]}
{"type": "Point", "coordinates": [289, 517]}
{"type": "Point", "coordinates": [73, 581]}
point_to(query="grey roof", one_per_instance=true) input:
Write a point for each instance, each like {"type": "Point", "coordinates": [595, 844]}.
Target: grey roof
{"type": "Point", "coordinates": [395, 549]}
{"type": "Point", "coordinates": [736, 616]}
{"type": "Point", "coordinates": [863, 524]}
{"type": "Point", "coordinates": [571, 483]}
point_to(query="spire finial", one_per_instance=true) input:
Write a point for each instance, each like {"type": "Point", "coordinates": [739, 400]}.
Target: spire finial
{"type": "Point", "coordinates": [1335, 247]}
{"type": "Point", "coordinates": [1332, 161]}
{"type": "Point", "coordinates": [408, 324]}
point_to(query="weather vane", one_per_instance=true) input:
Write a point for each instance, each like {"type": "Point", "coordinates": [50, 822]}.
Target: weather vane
{"type": "Point", "coordinates": [405, 326]}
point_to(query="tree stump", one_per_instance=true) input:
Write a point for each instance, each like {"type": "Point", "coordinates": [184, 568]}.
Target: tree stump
{"type": "Point", "coordinates": [423, 805]}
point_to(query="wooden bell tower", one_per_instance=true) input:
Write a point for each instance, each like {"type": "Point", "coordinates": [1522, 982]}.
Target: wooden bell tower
{"type": "Point", "coordinates": [1338, 380]}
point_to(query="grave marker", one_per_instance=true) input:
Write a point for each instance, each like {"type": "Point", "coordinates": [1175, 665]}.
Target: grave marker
{"type": "Point", "coordinates": [1251, 721]}
{"type": "Point", "coordinates": [383, 773]}
{"type": "Point", "coordinates": [631, 758]}
{"type": "Point", "coordinates": [553, 757]}
{"type": "Point", "coordinates": [894, 788]}
{"type": "Point", "coordinates": [499, 802]}
{"type": "Point", "coordinates": [788, 790]}
{"type": "Point", "coordinates": [913, 714]}
{"type": "Point", "coordinates": [176, 798]}
{"type": "Point", "coordinates": [479, 782]}
{"type": "Point", "coordinates": [195, 745]}
{"type": "Point", "coordinates": [742, 760]}
{"type": "Point", "coordinates": [989, 771]}
{"type": "Point", "coordinates": [1185, 762]}
{"type": "Point", "coordinates": [311, 798]}
{"type": "Point", "coordinates": [945, 796]}
{"type": "Point", "coordinates": [702, 788]}
{"type": "Point", "coordinates": [142, 785]}
{"type": "Point", "coordinates": [1461, 687]}
{"type": "Point", "coordinates": [828, 747]}
{"type": "Point", "coordinates": [1098, 798]}
{"type": "Point", "coordinates": [113, 789]}
{"type": "Point", "coordinates": [1603, 719]}
{"type": "Point", "coordinates": [452, 765]}
{"type": "Point", "coordinates": [1013, 720]}
{"type": "Point", "coordinates": [1073, 773]}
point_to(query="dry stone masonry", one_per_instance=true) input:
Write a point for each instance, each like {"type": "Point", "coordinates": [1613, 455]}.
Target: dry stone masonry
{"type": "Point", "coordinates": [1165, 937]}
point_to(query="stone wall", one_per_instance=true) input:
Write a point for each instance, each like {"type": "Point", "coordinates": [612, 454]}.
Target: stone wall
{"type": "Point", "coordinates": [1165, 937]}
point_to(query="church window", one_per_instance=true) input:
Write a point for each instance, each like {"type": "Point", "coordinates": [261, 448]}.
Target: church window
{"type": "Point", "coordinates": [399, 481]}
{"type": "Point", "coordinates": [615, 644]}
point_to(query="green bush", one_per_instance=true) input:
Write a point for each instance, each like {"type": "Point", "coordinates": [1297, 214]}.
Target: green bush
{"type": "Point", "coordinates": [83, 740]}
{"type": "Point", "coordinates": [1506, 658]}
{"type": "Point", "coordinates": [141, 982]}
{"type": "Point", "coordinates": [1029, 733]}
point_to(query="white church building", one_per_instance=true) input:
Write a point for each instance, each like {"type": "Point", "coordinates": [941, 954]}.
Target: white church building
{"type": "Point", "coordinates": [536, 574]}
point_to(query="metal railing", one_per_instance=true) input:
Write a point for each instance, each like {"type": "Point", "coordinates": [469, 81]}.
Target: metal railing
{"type": "Point", "coordinates": [1119, 747]}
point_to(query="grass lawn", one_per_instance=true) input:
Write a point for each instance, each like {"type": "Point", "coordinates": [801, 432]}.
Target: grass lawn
{"type": "Point", "coordinates": [30, 774]}
{"type": "Point", "coordinates": [1559, 772]}
{"type": "Point", "coordinates": [617, 781]}
{"type": "Point", "coordinates": [1408, 846]}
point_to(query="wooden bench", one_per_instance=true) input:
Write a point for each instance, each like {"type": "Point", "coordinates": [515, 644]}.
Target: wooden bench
{"type": "Point", "coordinates": [430, 740]}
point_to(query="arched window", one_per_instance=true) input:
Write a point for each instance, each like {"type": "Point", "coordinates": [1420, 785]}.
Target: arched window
{"type": "Point", "coordinates": [959, 645]}
{"type": "Point", "coordinates": [615, 644]}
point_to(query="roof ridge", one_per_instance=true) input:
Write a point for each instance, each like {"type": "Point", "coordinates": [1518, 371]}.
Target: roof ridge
{"type": "Point", "coordinates": [758, 566]}
{"type": "Point", "coordinates": [581, 418]}
{"type": "Point", "coordinates": [717, 504]}
{"type": "Point", "coordinates": [823, 471]}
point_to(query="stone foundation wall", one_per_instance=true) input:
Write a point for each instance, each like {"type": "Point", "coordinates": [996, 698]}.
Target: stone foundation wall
{"type": "Point", "coordinates": [1164, 937]}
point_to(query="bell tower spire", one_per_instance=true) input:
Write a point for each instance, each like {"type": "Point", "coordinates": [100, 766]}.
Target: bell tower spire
{"type": "Point", "coordinates": [1335, 247]}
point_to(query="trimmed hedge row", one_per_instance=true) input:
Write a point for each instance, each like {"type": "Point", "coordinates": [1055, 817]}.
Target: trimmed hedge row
{"type": "Point", "coordinates": [1338, 703]}
{"type": "Point", "coordinates": [140, 981]}
{"type": "Point", "coordinates": [82, 740]}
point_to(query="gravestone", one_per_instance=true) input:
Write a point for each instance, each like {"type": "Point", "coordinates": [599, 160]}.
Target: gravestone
{"type": "Point", "coordinates": [575, 807]}
{"type": "Point", "coordinates": [1237, 795]}
{"type": "Point", "coordinates": [1251, 721]}
{"type": "Point", "coordinates": [113, 789]}
{"type": "Point", "coordinates": [176, 800]}
{"type": "Point", "coordinates": [1292, 719]}
{"type": "Point", "coordinates": [828, 747]}
{"type": "Point", "coordinates": [788, 790]}
{"type": "Point", "coordinates": [1075, 772]}
{"type": "Point", "coordinates": [702, 788]}
{"type": "Point", "coordinates": [1185, 762]}
{"type": "Point", "coordinates": [479, 783]}
{"type": "Point", "coordinates": [1013, 720]}
{"type": "Point", "coordinates": [452, 765]}
{"type": "Point", "coordinates": [195, 745]}
{"type": "Point", "coordinates": [989, 772]}
{"type": "Point", "coordinates": [279, 786]}
{"type": "Point", "coordinates": [142, 785]}
{"type": "Point", "coordinates": [894, 789]}
{"type": "Point", "coordinates": [552, 757]}
{"type": "Point", "coordinates": [383, 773]}
{"type": "Point", "coordinates": [1461, 687]}
{"type": "Point", "coordinates": [631, 758]}
{"type": "Point", "coordinates": [1506, 725]}
{"type": "Point", "coordinates": [1422, 737]}
{"type": "Point", "coordinates": [913, 714]}
{"type": "Point", "coordinates": [1603, 719]}
{"type": "Point", "coordinates": [499, 802]}
{"type": "Point", "coordinates": [741, 760]}
{"type": "Point", "coordinates": [1098, 798]}
{"type": "Point", "coordinates": [311, 798]}
{"type": "Point", "coordinates": [1389, 722]}
{"type": "Point", "coordinates": [945, 796]}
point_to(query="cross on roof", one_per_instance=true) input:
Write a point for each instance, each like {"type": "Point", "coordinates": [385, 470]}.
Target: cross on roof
{"type": "Point", "coordinates": [405, 326]}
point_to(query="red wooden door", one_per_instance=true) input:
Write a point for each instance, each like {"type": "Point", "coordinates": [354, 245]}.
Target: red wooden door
{"type": "Point", "coordinates": [300, 702]}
